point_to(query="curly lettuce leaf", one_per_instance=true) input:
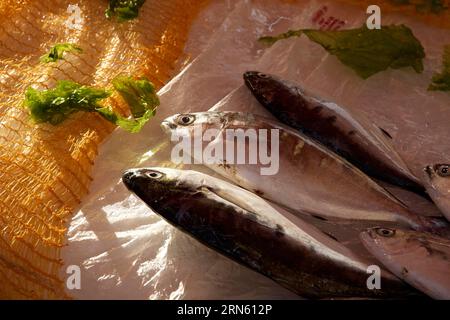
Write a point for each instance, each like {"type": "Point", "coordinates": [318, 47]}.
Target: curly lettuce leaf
{"type": "Point", "coordinates": [141, 97]}
{"type": "Point", "coordinates": [56, 105]}
{"type": "Point", "coordinates": [57, 52]}
{"type": "Point", "coordinates": [140, 94]}
{"type": "Point", "coordinates": [124, 10]}
{"type": "Point", "coordinates": [367, 51]}
{"type": "Point", "coordinates": [441, 81]}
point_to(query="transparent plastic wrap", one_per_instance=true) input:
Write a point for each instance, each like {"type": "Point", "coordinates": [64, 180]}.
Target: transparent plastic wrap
{"type": "Point", "coordinates": [126, 251]}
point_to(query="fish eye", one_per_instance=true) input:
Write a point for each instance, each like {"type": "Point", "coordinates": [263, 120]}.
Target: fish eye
{"type": "Point", "coordinates": [185, 119]}
{"type": "Point", "coordinates": [443, 170]}
{"type": "Point", "coordinates": [154, 174]}
{"type": "Point", "coordinates": [387, 233]}
{"type": "Point", "coordinates": [263, 75]}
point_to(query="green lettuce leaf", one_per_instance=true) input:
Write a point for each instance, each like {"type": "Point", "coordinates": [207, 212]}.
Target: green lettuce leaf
{"type": "Point", "coordinates": [57, 52]}
{"type": "Point", "coordinates": [141, 97]}
{"type": "Point", "coordinates": [366, 51]}
{"type": "Point", "coordinates": [56, 105]}
{"type": "Point", "coordinates": [441, 81]}
{"type": "Point", "coordinates": [138, 93]}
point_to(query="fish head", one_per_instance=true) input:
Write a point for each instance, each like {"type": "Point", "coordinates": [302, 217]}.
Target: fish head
{"type": "Point", "coordinates": [419, 258]}
{"type": "Point", "coordinates": [263, 86]}
{"type": "Point", "coordinates": [145, 180]}
{"type": "Point", "coordinates": [388, 241]}
{"type": "Point", "coordinates": [156, 186]}
{"type": "Point", "coordinates": [176, 195]}
{"type": "Point", "coordinates": [189, 124]}
{"type": "Point", "coordinates": [437, 178]}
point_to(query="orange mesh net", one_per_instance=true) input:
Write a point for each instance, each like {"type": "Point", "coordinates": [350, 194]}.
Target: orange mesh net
{"type": "Point", "coordinates": [45, 170]}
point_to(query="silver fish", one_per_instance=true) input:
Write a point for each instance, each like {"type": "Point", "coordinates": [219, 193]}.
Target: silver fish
{"type": "Point", "coordinates": [420, 259]}
{"type": "Point", "coordinates": [244, 227]}
{"type": "Point", "coordinates": [311, 179]}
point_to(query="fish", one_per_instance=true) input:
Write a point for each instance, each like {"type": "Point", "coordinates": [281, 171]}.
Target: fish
{"type": "Point", "coordinates": [247, 229]}
{"type": "Point", "coordinates": [334, 127]}
{"type": "Point", "coordinates": [437, 179]}
{"type": "Point", "coordinates": [420, 259]}
{"type": "Point", "coordinates": [310, 180]}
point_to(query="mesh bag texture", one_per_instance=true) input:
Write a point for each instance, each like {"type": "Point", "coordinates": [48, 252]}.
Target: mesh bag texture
{"type": "Point", "coordinates": [45, 169]}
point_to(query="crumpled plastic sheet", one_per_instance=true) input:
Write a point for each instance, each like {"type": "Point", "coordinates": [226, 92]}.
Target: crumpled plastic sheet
{"type": "Point", "coordinates": [126, 251]}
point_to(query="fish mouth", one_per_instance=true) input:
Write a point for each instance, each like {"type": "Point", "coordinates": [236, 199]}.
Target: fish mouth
{"type": "Point", "coordinates": [368, 235]}
{"type": "Point", "coordinates": [168, 126]}
{"type": "Point", "coordinates": [368, 239]}
{"type": "Point", "coordinates": [429, 171]}
{"type": "Point", "coordinates": [250, 74]}
{"type": "Point", "coordinates": [250, 79]}
{"type": "Point", "coordinates": [429, 174]}
{"type": "Point", "coordinates": [129, 179]}
{"type": "Point", "coordinates": [371, 239]}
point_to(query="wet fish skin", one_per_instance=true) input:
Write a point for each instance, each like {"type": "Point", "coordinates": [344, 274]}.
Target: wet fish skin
{"type": "Point", "coordinates": [332, 126]}
{"type": "Point", "coordinates": [420, 259]}
{"type": "Point", "coordinates": [311, 179]}
{"type": "Point", "coordinates": [438, 186]}
{"type": "Point", "coordinates": [243, 227]}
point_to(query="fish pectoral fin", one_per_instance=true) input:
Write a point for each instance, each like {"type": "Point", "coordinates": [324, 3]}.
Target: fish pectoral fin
{"type": "Point", "coordinates": [238, 199]}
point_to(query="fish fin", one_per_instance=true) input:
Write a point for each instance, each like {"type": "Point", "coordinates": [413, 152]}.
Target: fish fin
{"type": "Point", "coordinates": [385, 133]}
{"type": "Point", "coordinates": [394, 197]}
{"type": "Point", "coordinates": [234, 197]}
{"type": "Point", "coordinates": [251, 205]}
